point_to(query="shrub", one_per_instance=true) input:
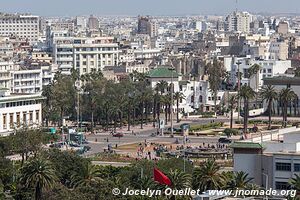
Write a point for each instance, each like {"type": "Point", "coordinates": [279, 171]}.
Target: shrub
{"type": "Point", "coordinates": [208, 126]}
{"type": "Point", "coordinates": [230, 131]}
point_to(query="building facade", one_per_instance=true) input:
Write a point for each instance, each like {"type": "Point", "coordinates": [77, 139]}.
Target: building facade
{"type": "Point", "coordinates": [23, 26]}
{"type": "Point", "coordinates": [19, 110]}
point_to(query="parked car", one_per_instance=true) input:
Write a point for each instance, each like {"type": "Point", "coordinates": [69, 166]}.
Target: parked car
{"type": "Point", "coordinates": [224, 140]}
{"type": "Point", "coordinates": [118, 135]}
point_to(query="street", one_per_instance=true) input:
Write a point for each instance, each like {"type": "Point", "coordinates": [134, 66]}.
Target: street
{"type": "Point", "coordinates": [101, 141]}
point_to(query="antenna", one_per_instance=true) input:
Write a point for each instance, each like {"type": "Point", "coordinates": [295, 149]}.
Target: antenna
{"type": "Point", "coordinates": [236, 5]}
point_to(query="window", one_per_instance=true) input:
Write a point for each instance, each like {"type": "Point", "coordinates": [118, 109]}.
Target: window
{"type": "Point", "coordinates": [24, 118]}
{"type": "Point", "coordinates": [4, 121]}
{"type": "Point", "coordinates": [297, 167]}
{"type": "Point", "coordinates": [282, 185]}
{"type": "Point", "coordinates": [11, 120]}
{"type": "Point", "coordinates": [283, 166]}
{"type": "Point", "coordinates": [18, 119]}
{"type": "Point", "coordinates": [31, 117]}
{"type": "Point", "coordinates": [269, 70]}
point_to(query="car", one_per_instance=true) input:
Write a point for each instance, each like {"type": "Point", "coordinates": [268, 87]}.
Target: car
{"type": "Point", "coordinates": [118, 135]}
{"type": "Point", "coordinates": [224, 140]}
{"type": "Point", "coordinates": [86, 148]}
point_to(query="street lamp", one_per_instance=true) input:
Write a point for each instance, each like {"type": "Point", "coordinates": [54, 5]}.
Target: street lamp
{"type": "Point", "coordinates": [172, 91]}
{"type": "Point", "coordinates": [239, 88]}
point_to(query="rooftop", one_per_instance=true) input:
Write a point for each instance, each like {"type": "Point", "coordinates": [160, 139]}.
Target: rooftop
{"type": "Point", "coordinates": [246, 145]}
{"type": "Point", "coordinates": [161, 72]}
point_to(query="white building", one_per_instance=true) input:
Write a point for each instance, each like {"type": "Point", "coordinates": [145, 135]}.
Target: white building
{"type": "Point", "coordinates": [23, 26]}
{"type": "Point", "coordinates": [196, 93]}
{"type": "Point", "coordinates": [239, 22]}
{"type": "Point", "coordinates": [87, 54]}
{"type": "Point", "coordinates": [271, 164]}
{"type": "Point", "coordinates": [19, 110]}
{"type": "Point", "coordinates": [269, 68]}
{"type": "Point", "coordinates": [5, 78]}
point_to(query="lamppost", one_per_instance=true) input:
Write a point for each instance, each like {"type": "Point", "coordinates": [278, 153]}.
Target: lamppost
{"type": "Point", "coordinates": [239, 88]}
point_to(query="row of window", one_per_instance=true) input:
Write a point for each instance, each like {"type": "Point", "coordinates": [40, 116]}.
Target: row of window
{"type": "Point", "coordinates": [17, 122]}
{"type": "Point", "coordinates": [287, 167]}
{"type": "Point", "coordinates": [18, 103]}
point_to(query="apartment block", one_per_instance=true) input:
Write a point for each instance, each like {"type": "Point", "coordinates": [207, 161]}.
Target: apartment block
{"type": "Point", "coordinates": [23, 26]}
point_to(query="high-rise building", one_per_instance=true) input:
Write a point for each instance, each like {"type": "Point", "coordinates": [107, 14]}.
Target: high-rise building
{"type": "Point", "coordinates": [146, 26]}
{"type": "Point", "coordinates": [80, 22]}
{"type": "Point", "coordinates": [93, 23]}
{"type": "Point", "coordinates": [283, 28]}
{"type": "Point", "coordinates": [23, 26]}
{"type": "Point", "coordinates": [87, 54]}
{"type": "Point", "coordinates": [239, 22]}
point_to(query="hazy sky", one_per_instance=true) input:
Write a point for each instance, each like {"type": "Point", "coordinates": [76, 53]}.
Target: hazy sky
{"type": "Point", "coordinates": [144, 7]}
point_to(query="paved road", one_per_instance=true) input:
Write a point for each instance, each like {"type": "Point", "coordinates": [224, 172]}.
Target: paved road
{"type": "Point", "coordinates": [99, 142]}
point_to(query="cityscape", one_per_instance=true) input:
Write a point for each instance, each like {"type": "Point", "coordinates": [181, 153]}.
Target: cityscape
{"type": "Point", "coordinates": [138, 100]}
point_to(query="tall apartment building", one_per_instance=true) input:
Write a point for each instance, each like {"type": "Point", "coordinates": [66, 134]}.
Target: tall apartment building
{"type": "Point", "coordinates": [87, 54]}
{"type": "Point", "coordinates": [93, 23]}
{"type": "Point", "coordinates": [146, 26]}
{"type": "Point", "coordinates": [23, 26]}
{"type": "Point", "coordinates": [283, 28]}
{"type": "Point", "coordinates": [238, 22]}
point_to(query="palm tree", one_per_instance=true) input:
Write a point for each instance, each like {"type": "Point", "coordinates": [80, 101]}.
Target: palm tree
{"type": "Point", "coordinates": [207, 176]}
{"type": "Point", "coordinates": [232, 106]}
{"type": "Point", "coordinates": [253, 71]}
{"type": "Point", "coordinates": [178, 96]}
{"type": "Point", "coordinates": [269, 94]}
{"type": "Point", "coordinates": [240, 180]}
{"type": "Point", "coordinates": [39, 174]}
{"type": "Point", "coordinates": [295, 182]}
{"type": "Point", "coordinates": [246, 93]}
{"type": "Point", "coordinates": [179, 179]}
{"type": "Point", "coordinates": [86, 176]}
{"type": "Point", "coordinates": [286, 96]}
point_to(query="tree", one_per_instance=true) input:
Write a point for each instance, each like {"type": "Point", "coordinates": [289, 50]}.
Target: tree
{"type": "Point", "coordinates": [253, 71]}
{"type": "Point", "coordinates": [295, 182]}
{"type": "Point", "coordinates": [286, 96]}
{"type": "Point", "coordinates": [207, 176]}
{"type": "Point", "coordinates": [88, 176]}
{"type": "Point", "coordinates": [240, 180]}
{"type": "Point", "coordinates": [269, 94]}
{"type": "Point", "coordinates": [216, 74]}
{"type": "Point", "coordinates": [232, 106]}
{"type": "Point", "coordinates": [38, 174]}
{"type": "Point", "coordinates": [26, 140]}
{"type": "Point", "coordinates": [178, 96]}
{"type": "Point", "coordinates": [179, 179]}
{"type": "Point", "coordinates": [246, 93]}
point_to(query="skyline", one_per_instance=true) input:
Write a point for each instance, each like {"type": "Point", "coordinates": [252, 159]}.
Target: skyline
{"type": "Point", "coordinates": [143, 7]}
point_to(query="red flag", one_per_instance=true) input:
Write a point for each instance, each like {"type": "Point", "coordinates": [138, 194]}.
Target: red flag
{"type": "Point", "coordinates": [161, 178]}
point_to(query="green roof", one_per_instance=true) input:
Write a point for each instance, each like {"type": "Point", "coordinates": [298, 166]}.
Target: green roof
{"type": "Point", "coordinates": [161, 72]}
{"type": "Point", "coordinates": [245, 145]}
